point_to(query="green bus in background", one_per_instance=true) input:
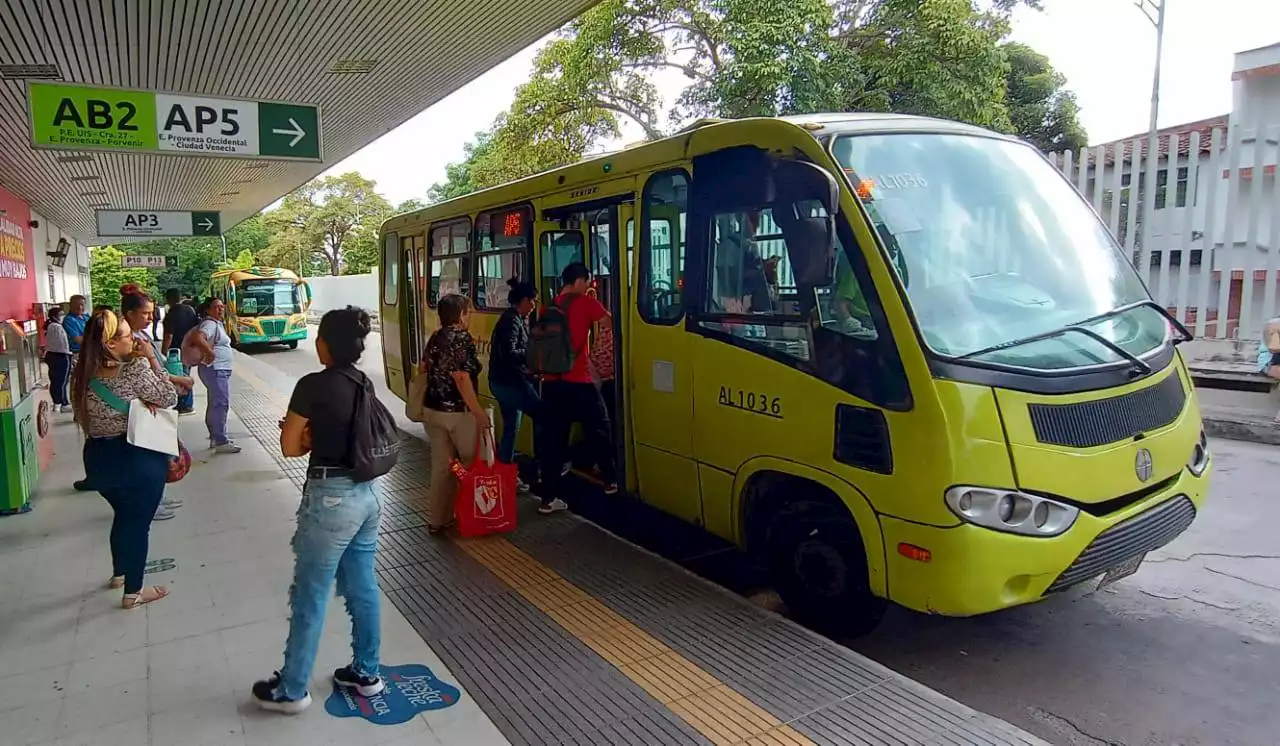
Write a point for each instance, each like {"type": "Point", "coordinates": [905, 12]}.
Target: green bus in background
{"type": "Point", "coordinates": [265, 305]}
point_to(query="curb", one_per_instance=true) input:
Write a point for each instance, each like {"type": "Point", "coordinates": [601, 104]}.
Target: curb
{"type": "Point", "coordinates": [1253, 430]}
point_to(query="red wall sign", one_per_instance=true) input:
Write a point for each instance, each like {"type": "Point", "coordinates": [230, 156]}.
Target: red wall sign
{"type": "Point", "coordinates": [17, 258]}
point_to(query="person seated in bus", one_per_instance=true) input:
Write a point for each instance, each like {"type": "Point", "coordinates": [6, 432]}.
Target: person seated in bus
{"type": "Point", "coordinates": [510, 379]}
{"type": "Point", "coordinates": [573, 396]}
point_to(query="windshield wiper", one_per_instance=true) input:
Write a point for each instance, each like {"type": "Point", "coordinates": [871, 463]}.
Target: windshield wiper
{"type": "Point", "coordinates": [1079, 327]}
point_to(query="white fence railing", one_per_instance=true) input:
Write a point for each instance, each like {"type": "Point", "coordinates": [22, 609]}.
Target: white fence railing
{"type": "Point", "coordinates": [1209, 251]}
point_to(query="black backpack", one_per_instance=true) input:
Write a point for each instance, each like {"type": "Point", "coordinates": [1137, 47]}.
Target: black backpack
{"type": "Point", "coordinates": [375, 439]}
{"type": "Point", "coordinates": [550, 341]}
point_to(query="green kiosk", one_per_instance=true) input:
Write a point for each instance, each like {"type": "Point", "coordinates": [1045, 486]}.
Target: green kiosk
{"type": "Point", "coordinates": [20, 411]}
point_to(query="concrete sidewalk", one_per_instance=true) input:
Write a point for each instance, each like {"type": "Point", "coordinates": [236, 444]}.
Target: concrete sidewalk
{"type": "Point", "coordinates": [79, 670]}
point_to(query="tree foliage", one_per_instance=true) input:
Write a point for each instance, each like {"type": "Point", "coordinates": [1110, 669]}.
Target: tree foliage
{"type": "Point", "coordinates": [745, 58]}
{"type": "Point", "coordinates": [327, 221]}
{"type": "Point", "coordinates": [106, 275]}
{"type": "Point", "coordinates": [1040, 107]}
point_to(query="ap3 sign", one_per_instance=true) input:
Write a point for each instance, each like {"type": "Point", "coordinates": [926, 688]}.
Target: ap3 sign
{"type": "Point", "coordinates": [411, 689]}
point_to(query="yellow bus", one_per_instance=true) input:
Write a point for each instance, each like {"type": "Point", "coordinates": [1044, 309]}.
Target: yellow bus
{"type": "Point", "coordinates": [894, 358]}
{"type": "Point", "coordinates": [265, 305]}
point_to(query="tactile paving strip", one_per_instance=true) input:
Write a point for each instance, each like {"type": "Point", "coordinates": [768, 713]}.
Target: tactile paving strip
{"type": "Point", "coordinates": [566, 634]}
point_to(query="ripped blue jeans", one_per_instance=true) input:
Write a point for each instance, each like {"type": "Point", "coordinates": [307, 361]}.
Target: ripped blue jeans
{"type": "Point", "coordinates": [337, 537]}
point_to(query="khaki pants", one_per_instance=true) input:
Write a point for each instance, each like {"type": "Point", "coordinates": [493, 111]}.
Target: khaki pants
{"type": "Point", "coordinates": [451, 435]}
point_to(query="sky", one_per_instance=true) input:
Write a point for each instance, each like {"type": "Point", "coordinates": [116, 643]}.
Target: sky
{"type": "Point", "coordinates": [1105, 48]}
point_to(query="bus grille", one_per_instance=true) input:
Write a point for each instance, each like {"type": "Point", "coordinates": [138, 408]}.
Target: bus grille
{"type": "Point", "coordinates": [1095, 423]}
{"type": "Point", "coordinates": [275, 326]}
{"type": "Point", "coordinates": [1140, 534]}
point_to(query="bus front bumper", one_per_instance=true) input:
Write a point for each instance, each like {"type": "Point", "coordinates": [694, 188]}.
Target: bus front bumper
{"type": "Point", "coordinates": [974, 570]}
{"type": "Point", "coordinates": [247, 338]}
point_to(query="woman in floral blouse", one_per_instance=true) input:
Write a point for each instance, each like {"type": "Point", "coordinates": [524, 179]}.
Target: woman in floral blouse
{"type": "Point", "coordinates": [132, 479]}
{"type": "Point", "coordinates": [453, 416]}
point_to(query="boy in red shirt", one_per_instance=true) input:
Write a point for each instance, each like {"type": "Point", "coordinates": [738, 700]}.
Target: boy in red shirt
{"type": "Point", "coordinates": [574, 396]}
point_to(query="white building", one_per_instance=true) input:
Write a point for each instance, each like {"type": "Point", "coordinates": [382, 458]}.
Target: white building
{"type": "Point", "coordinates": [1215, 193]}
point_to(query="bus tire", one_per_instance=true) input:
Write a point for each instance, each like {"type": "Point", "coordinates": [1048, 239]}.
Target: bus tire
{"type": "Point", "coordinates": [819, 568]}
{"type": "Point", "coordinates": [293, 344]}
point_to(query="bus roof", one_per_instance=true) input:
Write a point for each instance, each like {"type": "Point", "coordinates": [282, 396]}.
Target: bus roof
{"type": "Point", "coordinates": [672, 148]}
{"type": "Point", "coordinates": [256, 273]}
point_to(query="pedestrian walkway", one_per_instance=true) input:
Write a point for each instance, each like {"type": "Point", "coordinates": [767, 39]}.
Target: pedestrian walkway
{"type": "Point", "coordinates": [78, 670]}
{"type": "Point", "coordinates": [558, 633]}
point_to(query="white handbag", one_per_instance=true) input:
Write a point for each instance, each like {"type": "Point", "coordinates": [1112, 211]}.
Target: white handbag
{"type": "Point", "coordinates": [154, 431]}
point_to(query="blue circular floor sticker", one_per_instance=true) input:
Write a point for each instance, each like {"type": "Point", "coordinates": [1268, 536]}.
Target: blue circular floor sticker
{"type": "Point", "coordinates": [411, 689]}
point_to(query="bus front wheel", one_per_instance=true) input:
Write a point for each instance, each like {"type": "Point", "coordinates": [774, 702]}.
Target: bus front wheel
{"type": "Point", "coordinates": [819, 566]}
{"type": "Point", "coordinates": [293, 344]}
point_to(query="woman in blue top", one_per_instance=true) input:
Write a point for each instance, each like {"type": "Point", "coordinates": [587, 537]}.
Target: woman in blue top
{"type": "Point", "coordinates": [215, 373]}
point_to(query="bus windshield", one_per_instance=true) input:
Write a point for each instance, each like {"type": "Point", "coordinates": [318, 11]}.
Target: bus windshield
{"type": "Point", "coordinates": [268, 298]}
{"type": "Point", "coordinates": [995, 247]}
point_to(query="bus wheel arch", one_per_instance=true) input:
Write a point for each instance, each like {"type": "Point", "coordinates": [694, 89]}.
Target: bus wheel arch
{"type": "Point", "coordinates": [826, 563]}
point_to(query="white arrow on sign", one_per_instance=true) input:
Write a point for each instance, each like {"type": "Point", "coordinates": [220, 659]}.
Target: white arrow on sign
{"type": "Point", "coordinates": [207, 224]}
{"type": "Point", "coordinates": [297, 132]}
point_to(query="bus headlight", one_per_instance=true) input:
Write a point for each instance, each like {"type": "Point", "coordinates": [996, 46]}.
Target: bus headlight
{"type": "Point", "coordinates": [249, 328]}
{"type": "Point", "coordinates": [1010, 511]}
{"type": "Point", "coordinates": [1199, 456]}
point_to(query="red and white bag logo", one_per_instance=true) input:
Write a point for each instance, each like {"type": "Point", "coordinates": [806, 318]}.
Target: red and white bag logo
{"type": "Point", "coordinates": [488, 496]}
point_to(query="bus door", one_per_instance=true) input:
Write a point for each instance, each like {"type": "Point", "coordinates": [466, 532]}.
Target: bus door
{"type": "Point", "coordinates": [659, 352]}
{"type": "Point", "coordinates": [413, 264]}
{"type": "Point", "coordinates": [592, 233]}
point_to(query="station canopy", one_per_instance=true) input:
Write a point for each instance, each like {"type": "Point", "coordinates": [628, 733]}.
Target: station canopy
{"type": "Point", "coordinates": [368, 65]}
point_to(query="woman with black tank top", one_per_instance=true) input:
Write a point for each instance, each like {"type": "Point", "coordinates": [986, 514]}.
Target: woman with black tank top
{"type": "Point", "coordinates": [337, 535]}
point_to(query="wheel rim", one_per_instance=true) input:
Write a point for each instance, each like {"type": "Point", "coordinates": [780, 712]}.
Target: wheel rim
{"type": "Point", "coordinates": [820, 569]}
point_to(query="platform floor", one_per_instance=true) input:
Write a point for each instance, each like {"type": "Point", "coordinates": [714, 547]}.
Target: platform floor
{"type": "Point", "coordinates": [558, 633]}
{"type": "Point", "coordinates": [564, 633]}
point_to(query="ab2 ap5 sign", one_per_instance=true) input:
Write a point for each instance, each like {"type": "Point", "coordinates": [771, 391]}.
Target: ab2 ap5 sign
{"type": "Point", "coordinates": [85, 118]}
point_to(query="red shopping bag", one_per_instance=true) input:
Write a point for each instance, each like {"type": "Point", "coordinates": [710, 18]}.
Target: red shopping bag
{"type": "Point", "coordinates": [486, 500]}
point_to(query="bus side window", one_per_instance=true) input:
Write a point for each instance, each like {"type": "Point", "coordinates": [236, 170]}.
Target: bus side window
{"type": "Point", "coordinates": [450, 260]}
{"type": "Point", "coordinates": [662, 248]}
{"type": "Point", "coordinates": [753, 298]}
{"type": "Point", "coordinates": [391, 269]}
{"type": "Point", "coordinates": [559, 250]}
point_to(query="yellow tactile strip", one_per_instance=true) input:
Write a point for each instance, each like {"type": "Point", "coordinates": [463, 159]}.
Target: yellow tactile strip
{"type": "Point", "coordinates": [719, 713]}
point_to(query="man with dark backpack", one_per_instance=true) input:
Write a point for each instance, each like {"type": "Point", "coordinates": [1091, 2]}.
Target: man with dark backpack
{"type": "Point", "coordinates": [335, 417]}
{"type": "Point", "coordinates": [559, 347]}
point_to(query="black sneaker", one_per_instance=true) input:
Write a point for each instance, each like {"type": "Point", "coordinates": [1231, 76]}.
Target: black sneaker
{"type": "Point", "coordinates": [268, 698]}
{"type": "Point", "coordinates": [366, 686]}
{"type": "Point", "coordinates": [82, 485]}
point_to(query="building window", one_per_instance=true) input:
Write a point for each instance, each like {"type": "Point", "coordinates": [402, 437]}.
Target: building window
{"type": "Point", "coordinates": [1162, 183]}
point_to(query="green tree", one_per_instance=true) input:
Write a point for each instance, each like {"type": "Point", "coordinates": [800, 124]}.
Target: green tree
{"type": "Point", "coordinates": [457, 175]}
{"type": "Point", "coordinates": [106, 275]}
{"type": "Point", "coordinates": [743, 58]}
{"type": "Point", "coordinates": [324, 219]}
{"type": "Point", "coordinates": [410, 205]}
{"type": "Point", "coordinates": [1041, 108]}
{"type": "Point", "coordinates": [243, 260]}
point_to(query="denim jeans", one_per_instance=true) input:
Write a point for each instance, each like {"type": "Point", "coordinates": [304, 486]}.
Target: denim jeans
{"type": "Point", "coordinates": [132, 479]}
{"type": "Point", "coordinates": [337, 536]}
{"type": "Point", "coordinates": [218, 382]}
{"type": "Point", "coordinates": [514, 401]}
